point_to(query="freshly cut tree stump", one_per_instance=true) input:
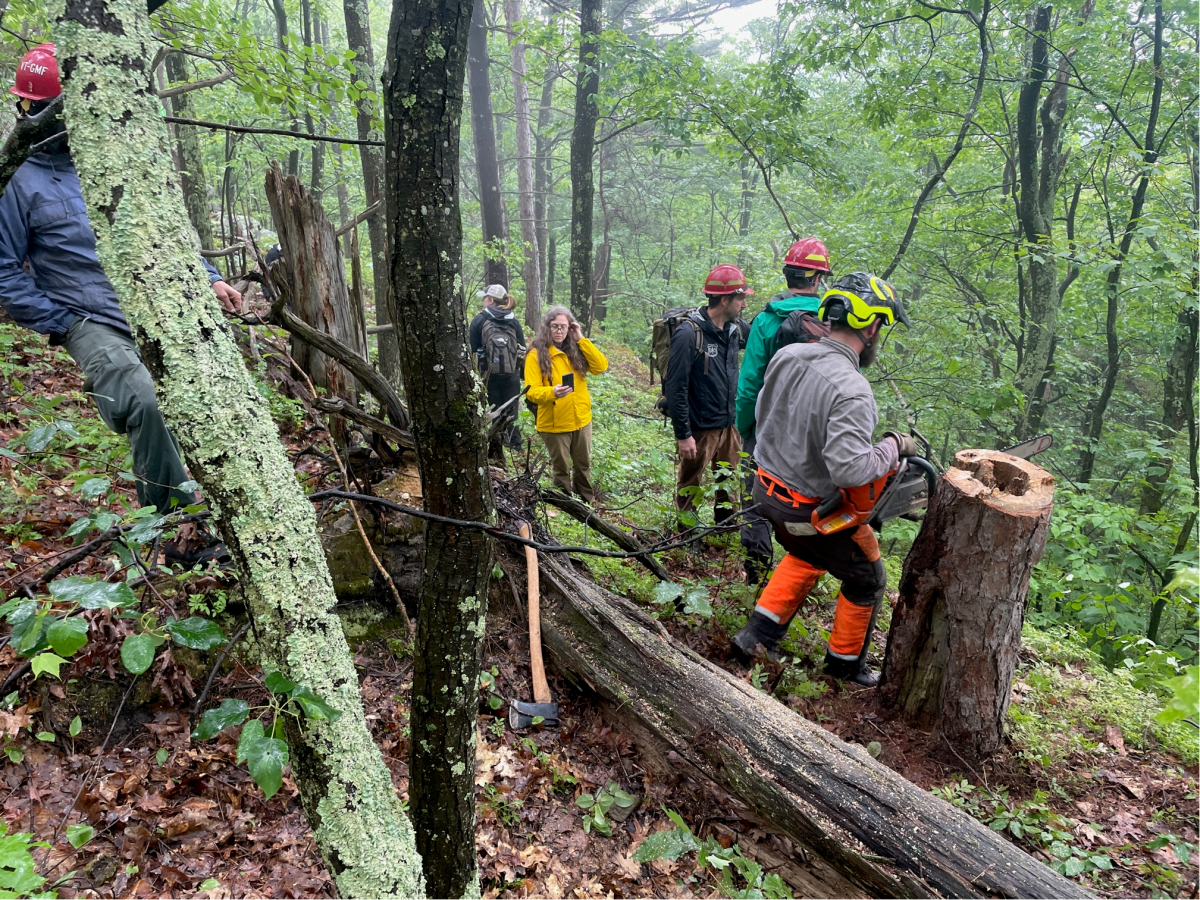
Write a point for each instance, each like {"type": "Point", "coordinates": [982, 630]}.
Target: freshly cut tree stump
{"type": "Point", "coordinates": [863, 830]}
{"type": "Point", "coordinates": [956, 628]}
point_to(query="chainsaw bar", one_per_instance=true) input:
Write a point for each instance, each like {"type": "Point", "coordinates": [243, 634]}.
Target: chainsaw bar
{"type": "Point", "coordinates": [1031, 447]}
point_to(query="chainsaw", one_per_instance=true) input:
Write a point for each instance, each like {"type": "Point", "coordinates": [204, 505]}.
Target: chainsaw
{"type": "Point", "coordinates": [902, 494]}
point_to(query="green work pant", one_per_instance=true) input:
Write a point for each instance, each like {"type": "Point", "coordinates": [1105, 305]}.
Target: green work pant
{"type": "Point", "coordinates": [124, 394]}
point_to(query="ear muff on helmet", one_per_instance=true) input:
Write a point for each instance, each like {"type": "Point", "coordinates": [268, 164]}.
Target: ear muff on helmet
{"type": "Point", "coordinates": [859, 299]}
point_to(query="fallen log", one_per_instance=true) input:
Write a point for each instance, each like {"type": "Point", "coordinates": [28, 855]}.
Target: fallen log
{"type": "Point", "coordinates": [956, 628]}
{"type": "Point", "coordinates": [866, 830]}
{"type": "Point", "coordinates": [623, 539]}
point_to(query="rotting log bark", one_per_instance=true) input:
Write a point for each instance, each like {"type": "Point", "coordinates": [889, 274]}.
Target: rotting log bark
{"type": "Point", "coordinates": [317, 278]}
{"type": "Point", "coordinates": [956, 629]}
{"type": "Point", "coordinates": [843, 808]}
{"type": "Point", "coordinates": [623, 539]}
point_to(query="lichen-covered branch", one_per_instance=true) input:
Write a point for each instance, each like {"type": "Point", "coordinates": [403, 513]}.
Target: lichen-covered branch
{"type": "Point", "coordinates": [22, 142]}
{"type": "Point", "coordinates": [148, 250]}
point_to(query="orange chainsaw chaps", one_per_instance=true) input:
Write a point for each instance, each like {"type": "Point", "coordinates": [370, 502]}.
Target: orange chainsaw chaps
{"type": "Point", "coordinates": [855, 508]}
{"type": "Point", "coordinates": [787, 588]}
{"type": "Point", "coordinates": [850, 624]}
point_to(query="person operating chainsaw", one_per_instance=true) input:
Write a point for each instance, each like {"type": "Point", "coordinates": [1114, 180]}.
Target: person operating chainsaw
{"type": "Point", "coordinates": [819, 472]}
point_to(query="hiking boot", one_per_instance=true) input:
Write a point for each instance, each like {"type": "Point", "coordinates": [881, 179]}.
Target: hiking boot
{"type": "Point", "coordinates": [759, 638]}
{"type": "Point", "coordinates": [855, 671]}
{"type": "Point", "coordinates": [194, 546]}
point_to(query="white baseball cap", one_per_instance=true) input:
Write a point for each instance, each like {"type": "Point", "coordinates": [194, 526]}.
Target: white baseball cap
{"type": "Point", "coordinates": [495, 291]}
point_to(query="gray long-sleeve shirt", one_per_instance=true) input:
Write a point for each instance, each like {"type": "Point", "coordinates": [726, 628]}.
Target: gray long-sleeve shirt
{"type": "Point", "coordinates": [816, 416]}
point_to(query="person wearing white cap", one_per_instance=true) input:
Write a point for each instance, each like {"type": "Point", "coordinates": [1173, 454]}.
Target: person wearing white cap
{"type": "Point", "coordinates": [498, 342]}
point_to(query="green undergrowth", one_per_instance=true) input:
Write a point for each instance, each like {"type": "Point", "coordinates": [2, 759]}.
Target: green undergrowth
{"type": "Point", "coordinates": [1072, 696]}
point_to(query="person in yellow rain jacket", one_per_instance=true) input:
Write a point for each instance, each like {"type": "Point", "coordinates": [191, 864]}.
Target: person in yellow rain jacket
{"type": "Point", "coordinates": [556, 369]}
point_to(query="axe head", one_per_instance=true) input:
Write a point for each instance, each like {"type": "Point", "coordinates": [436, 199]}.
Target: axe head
{"type": "Point", "coordinates": [521, 715]}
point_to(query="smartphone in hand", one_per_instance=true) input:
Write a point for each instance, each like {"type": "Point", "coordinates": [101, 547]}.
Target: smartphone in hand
{"type": "Point", "coordinates": [569, 380]}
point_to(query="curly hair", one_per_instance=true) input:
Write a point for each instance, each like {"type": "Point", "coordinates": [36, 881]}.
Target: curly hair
{"type": "Point", "coordinates": [543, 342]}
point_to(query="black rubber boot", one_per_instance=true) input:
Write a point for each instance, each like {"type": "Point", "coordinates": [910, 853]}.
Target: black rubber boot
{"type": "Point", "coordinates": [853, 670]}
{"type": "Point", "coordinates": [760, 637]}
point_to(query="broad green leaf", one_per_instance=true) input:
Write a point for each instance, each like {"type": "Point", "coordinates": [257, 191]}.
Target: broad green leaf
{"type": "Point", "coordinates": [1186, 577]}
{"type": "Point", "coordinates": [314, 707]}
{"type": "Point", "coordinates": [1185, 702]}
{"type": "Point", "coordinates": [75, 727]}
{"type": "Point", "coordinates": [137, 652]}
{"type": "Point", "coordinates": [697, 602]}
{"type": "Point", "coordinates": [197, 633]}
{"type": "Point", "coordinates": [27, 633]}
{"type": "Point", "coordinates": [875, 748]}
{"type": "Point", "coordinates": [666, 591]}
{"type": "Point", "coordinates": [38, 438]}
{"type": "Point", "coordinates": [9, 605]}
{"type": "Point", "coordinates": [209, 884]}
{"type": "Point", "coordinates": [94, 487]}
{"type": "Point", "coordinates": [67, 635]}
{"type": "Point", "coordinates": [161, 756]}
{"type": "Point", "coordinates": [46, 664]}
{"type": "Point", "coordinates": [92, 594]}
{"type": "Point", "coordinates": [277, 684]}
{"type": "Point", "coordinates": [230, 712]}
{"type": "Point", "coordinates": [668, 845]}
{"type": "Point", "coordinates": [585, 801]}
{"type": "Point", "coordinates": [266, 758]}
{"type": "Point", "coordinates": [252, 732]}
{"type": "Point", "coordinates": [79, 834]}
{"type": "Point", "coordinates": [19, 610]}
{"type": "Point", "coordinates": [47, 736]}
{"type": "Point", "coordinates": [1074, 866]}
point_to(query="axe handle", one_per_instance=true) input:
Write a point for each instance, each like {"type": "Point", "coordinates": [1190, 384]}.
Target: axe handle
{"type": "Point", "coordinates": [541, 690]}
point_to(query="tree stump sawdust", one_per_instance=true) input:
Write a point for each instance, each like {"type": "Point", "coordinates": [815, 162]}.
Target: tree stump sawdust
{"type": "Point", "coordinates": [956, 628]}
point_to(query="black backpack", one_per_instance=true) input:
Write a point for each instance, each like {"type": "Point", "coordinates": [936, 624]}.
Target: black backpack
{"type": "Point", "coordinates": [800, 327]}
{"type": "Point", "coordinates": [664, 329]}
{"type": "Point", "coordinates": [501, 353]}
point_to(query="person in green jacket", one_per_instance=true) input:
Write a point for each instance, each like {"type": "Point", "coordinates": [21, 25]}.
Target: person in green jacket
{"type": "Point", "coordinates": [804, 267]}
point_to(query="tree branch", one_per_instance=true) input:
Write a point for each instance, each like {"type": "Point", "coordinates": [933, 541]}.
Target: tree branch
{"type": "Point", "coordinates": [281, 132]}
{"type": "Point", "coordinates": [26, 137]}
{"type": "Point", "coordinates": [167, 93]}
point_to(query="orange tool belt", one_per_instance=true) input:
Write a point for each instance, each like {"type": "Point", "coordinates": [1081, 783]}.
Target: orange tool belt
{"type": "Point", "coordinates": [780, 491]}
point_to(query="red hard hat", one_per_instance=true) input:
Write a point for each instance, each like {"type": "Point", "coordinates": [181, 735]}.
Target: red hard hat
{"type": "Point", "coordinates": [726, 279]}
{"type": "Point", "coordinates": [37, 75]}
{"type": "Point", "coordinates": [808, 253]}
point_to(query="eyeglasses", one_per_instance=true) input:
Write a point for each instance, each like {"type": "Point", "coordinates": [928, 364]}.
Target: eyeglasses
{"type": "Point", "coordinates": [559, 327]}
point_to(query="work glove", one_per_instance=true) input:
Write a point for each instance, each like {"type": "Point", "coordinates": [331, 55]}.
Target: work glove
{"type": "Point", "coordinates": [904, 443]}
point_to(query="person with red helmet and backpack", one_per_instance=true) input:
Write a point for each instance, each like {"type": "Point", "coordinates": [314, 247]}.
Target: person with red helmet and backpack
{"type": "Point", "coordinates": [64, 293]}
{"type": "Point", "coordinates": [700, 390]}
{"type": "Point", "coordinates": [789, 317]}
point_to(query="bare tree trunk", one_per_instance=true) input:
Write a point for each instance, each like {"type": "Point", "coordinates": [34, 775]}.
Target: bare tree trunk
{"type": "Point", "coordinates": [956, 629]}
{"type": "Point", "coordinates": [1039, 163]}
{"type": "Point", "coordinates": [423, 99]}
{"type": "Point", "coordinates": [541, 177]}
{"type": "Point", "coordinates": [487, 166]}
{"type": "Point", "coordinates": [358, 36]}
{"type": "Point", "coordinates": [281, 33]}
{"type": "Point", "coordinates": [120, 147]}
{"type": "Point", "coordinates": [316, 182]}
{"type": "Point", "coordinates": [531, 271]}
{"type": "Point", "coordinates": [583, 145]}
{"type": "Point", "coordinates": [191, 157]}
{"type": "Point", "coordinates": [1112, 283]}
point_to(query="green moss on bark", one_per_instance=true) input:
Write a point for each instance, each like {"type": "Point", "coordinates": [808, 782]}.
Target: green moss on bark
{"type": "Point", "coordinates": [149, 251]}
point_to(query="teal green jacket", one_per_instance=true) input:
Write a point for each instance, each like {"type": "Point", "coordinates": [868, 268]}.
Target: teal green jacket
{"type": "Point", "coordinates": [760, 347]}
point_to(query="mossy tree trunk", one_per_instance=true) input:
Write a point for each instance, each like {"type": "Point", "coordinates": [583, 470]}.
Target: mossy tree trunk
{"type": "Point", "coordinates": [531, 270]}
{"type": "Point", "coordinates": [423, 98]}
{"type": "Point", "coordinates": [146, 244]}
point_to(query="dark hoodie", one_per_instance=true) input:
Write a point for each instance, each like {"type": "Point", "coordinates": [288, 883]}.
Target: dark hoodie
{"type": "Point", "coordinates": [698, 400]}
